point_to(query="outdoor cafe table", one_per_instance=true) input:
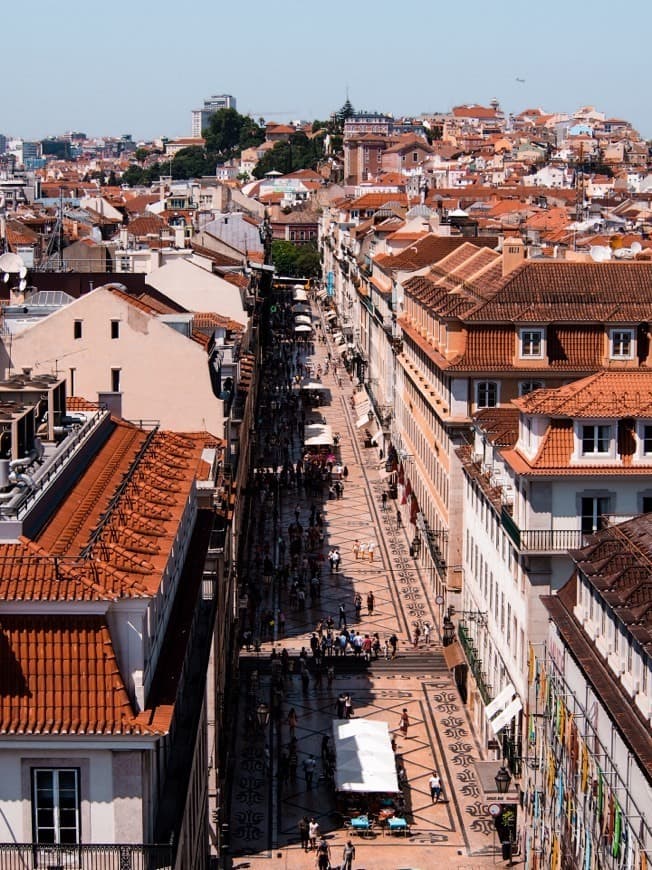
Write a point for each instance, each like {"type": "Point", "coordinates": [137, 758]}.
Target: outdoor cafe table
{"type": "Point", "coordinates": [399, 825]}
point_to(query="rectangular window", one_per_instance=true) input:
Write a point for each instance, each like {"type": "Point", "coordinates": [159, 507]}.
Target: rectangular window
{"type": "Point", "coordinates": [596, 439]}
{"type": "Point", "coordinates": [647, 440]}
{"type": "Point", "coordinates": [115, 380]}
{"type": "Point", "coordinates": [486, 394]}
{"type": "Point", "coordinates": [115, 329]}
{"type": "Point", "coordinates": [77, 329]}
{"type": "Point", "coordinates": [622, 343]}
{"type": "Point", "coordinates": [526, 387]}
{"type": "Point", "coordinates": [55, 806]}
{"type": "Point", "coordinates": [532, 343]}
{"type": "Point", "coordinates": [594, 509]}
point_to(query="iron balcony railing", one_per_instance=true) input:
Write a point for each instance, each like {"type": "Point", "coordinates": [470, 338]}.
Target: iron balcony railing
{"type": "Point", "coordinates": [475, 662]}
{"type": "Point", "coordinates": [18, 856]}
{"type": "Point", "coordinates": [542, 540]}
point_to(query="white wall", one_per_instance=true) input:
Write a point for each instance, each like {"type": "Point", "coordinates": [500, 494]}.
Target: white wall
{"type": "Point", "coordinates": [164, 375]}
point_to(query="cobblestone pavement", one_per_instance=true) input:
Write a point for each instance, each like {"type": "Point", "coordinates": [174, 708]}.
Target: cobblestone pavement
{"type": "Point", "coordinates": [457, 831]}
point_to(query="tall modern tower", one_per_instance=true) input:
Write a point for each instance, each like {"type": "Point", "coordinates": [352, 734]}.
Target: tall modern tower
{"type": "Point", "coordinates": [200, 117]}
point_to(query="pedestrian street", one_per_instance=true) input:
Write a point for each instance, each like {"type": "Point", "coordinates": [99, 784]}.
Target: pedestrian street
{"type": "Point", "coordinates": [273, 786]}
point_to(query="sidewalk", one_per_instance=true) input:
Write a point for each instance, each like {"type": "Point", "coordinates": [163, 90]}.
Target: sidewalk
{"type": "Point", "coordinates": [456, 832]}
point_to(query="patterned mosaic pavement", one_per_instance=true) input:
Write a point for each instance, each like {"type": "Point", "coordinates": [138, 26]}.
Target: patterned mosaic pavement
{"type": "Point", "coordinates": [456, 832]}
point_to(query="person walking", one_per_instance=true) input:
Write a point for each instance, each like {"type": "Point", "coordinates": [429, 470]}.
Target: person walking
{"type": "Point", "coordinates": [371, 546]}
{"type": "Point", "coordinates": [426, 633]}
{"type": "Point", "coordinates": [303, 833]}
{"type": "Point", "coordinates": [356, 549]}
{"type": "Point", "coordinates": [435, 787]}
{"type": "Point", "coordinates": [404, 722]}
{"type": "Point", "coordinates": [348, 707]}
{"type": "Point", "coordinates": [417, 635]}
{"type": "Point", "coordinates": [348, 854]}
{"type": "Point", "coordinates": [313, 832]}
{"type": "Point", "coordinates": [342, 616]}
{"type": "Point", "coordinates": [399, 518]}
{"type": "Point", "coordinates": [357, 604]}
{"type": "Point", "coordinates": [383, 498]}
{"type": "Point", "coordinates": [370, 603]}
{"type": "Point", "coordinates": [292, 721]}
{"type": "Point", "coordinates": [393, 642]}
{"type": "Point", "coordinates": [323, 855]}
{"type": "Point", "coordinates": [309, 766]}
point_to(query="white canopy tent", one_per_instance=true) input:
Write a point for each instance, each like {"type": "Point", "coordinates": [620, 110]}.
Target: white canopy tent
{"type": "Point", "coordinates": [364, 759]}
{"type": "Point", "coordinates": [318, 435]}
{"type": "Point", "coordinates": [300, 295]}
{"type": "Point", "coordinates": [301, 308]}
{"type": "Point", "coordinates": [303, 327]}
{"type": "Point", "coordinates": [302, 318]}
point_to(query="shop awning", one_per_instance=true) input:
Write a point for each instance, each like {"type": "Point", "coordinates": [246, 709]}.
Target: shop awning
{"type": "Point", "coordinates": [504, 718]}
{"type": "Point", "coordinates": [301, 308]}
{"type": "Point", "coordinates": [313, 385]}
{"type": "Point", "coordinates": [453, 655]}
{"type": "Point", "coordinates": [378, 433]}
{"type": "Point", "coordinates": [300, 295]}
{"type": "Point", "coordinates": [318, 435]}
{"type": "Point", "coordinates": [330, 315]}
{"type": "Point", "coordinates": [303, 327]}
{"type": "Point", "coordinates": [321, 294]}
{"type": "Point", "coordinates": [364, 759]}
{"type": "Point", "coordinates": [302, 318]}
{"type": "Point", "coordinates": [362, 421]}
{"type": "Point", "coordinates": [337, 335]}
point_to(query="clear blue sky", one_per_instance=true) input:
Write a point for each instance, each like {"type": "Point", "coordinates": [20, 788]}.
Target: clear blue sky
{"type": "Point", "coordinates": [140, 66]}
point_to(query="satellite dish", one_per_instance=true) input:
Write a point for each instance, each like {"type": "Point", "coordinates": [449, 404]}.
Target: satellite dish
{"type": "Point", "coordinates": [22, 285]}
{"type": "Point", "coordinates": [636, 248]}
{"type": "Point", "coordinates": [22, 272]}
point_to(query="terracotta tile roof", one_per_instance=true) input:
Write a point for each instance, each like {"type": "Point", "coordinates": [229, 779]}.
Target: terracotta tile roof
{"type": "Point", "coordinates": [567, 292]}
{"type": "Point", "coordinates": [61, 677]}
{"type": "Point", "coordinates": [375, 200]}
{"type": "Point", "coordinates": [146, 225]}
{"type": "Point", "coordinates": [427, 251]}
{"type": "Point", "coordinates": [500, 425]}
{"type": "Point", "coordinates": [607, 394]}
{"type": "Point", "coordinates": [211, 320]}
{"type": "Point", "coordinates": [138, 204]}
{"type": "Point", "coordinates": [237, 279]}
{"type": "Point", "coordinates": [78, 403]}
{"type": "Point", "coordinates": [143, 301]}
{"type": "Point", "coordinates": [217, 258]}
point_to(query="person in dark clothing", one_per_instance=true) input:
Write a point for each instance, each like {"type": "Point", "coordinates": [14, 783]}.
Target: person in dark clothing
{"type": "Point", "coordinates": [303, 833]}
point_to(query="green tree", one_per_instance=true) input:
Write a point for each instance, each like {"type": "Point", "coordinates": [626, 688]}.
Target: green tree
{"type": "Point", "coordinates": [228, 132]}
{"type": "Point", "coordinates": [191, 163]}
{"type": "Point", "coordinates": [133, 176]}
{"type": "Point", "coordinates": [307, 261]}
{"type": "Point", "coordinates": [141, 154]}
{"type": "Point", "coordinates": [284, 256]}
{"type": "Point", "coordinates": [299, 152]}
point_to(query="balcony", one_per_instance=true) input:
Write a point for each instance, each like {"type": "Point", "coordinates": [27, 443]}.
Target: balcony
{"type": "Point", "coordinates": [542, 540]}
{"type": "Point", "coordinates": [475, 662]}
{"type": "Point", "coordinates": [86, 857]}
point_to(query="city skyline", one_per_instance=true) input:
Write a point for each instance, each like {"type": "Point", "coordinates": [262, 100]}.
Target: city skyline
{"type": "Point", "coordinates": [293, 66]}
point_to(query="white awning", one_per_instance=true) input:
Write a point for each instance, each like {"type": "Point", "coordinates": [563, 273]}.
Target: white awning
{"type": "Point", "coordinates": [337, 335]}
{"type": "Point", "coordinates": [301, 308]}
{"type": "Point", "coordinates": [300, 296]}
{"type": "Point", "coordinates": [318, 435]}
{"type": "Point", "coordinates": [377, 433]}
{"type": "Point", "coordinates": [302, 318]}
{"type": "Point", "coordinates": [360, 396]}
{"type": "Point", "coordinates": [501, 700]}
{"type": "Point", "coordinates": [313, 385]}
{"type": "Point", "coordinates": [330, 315]}
{"type": "Point", "coordinates": [321, 294]}
{"type": "Point", "coordinates": [504, 718]}
{"type": "Point", "coordinates": [303, 327]}
{"type": "Point", "coordinates": [362, 421]}
{"type": "Point", "coordinates": [364, 759]}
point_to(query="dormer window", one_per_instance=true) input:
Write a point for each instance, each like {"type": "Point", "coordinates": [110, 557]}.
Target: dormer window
{"type": "Point", "coordinates": [531, 343]}
{"type": "Point", "coordinates": [596, 439]}
{"type": "Point", "coordinates": [621, 343]}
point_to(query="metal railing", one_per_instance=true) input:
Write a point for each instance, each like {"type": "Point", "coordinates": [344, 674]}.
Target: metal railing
{"type": "Point", "coordinates": [20, 856]}
{"type": "Point", "coordinates": [475, 662]}
{"type": "Point", "coordinates": [542, 540]}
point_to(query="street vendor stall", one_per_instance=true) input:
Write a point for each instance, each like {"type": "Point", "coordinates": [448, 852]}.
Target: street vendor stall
{"type": "Point", "coordinates": [318, 435]}
{"type": "Point", "coordinates": [364, 759]}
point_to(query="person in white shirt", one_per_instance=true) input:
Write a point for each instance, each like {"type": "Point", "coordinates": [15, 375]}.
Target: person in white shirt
{"type": "Point", "coordinates": [435, 787]}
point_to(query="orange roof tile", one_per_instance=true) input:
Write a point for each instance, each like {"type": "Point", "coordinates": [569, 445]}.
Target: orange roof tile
{"type": "Point", "coordinates": [607, 394]}
{"type": "Point", "coordinates": [61, 677]}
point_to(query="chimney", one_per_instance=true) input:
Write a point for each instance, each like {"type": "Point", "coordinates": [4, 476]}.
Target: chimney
{"type": "Point", "coordinates": [513, 254]}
